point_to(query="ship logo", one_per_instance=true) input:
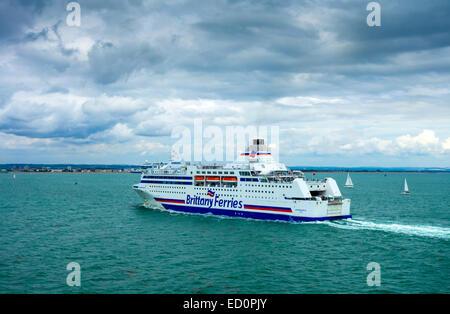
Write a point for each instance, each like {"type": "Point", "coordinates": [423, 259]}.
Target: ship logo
{"type": "Point", "coordinates": [211, 193]}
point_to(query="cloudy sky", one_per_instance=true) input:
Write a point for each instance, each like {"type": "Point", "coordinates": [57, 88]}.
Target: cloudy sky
{"type": "Point", "coordinates": [113, 89]}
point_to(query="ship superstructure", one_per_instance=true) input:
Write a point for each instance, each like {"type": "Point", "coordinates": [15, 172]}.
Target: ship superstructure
{"type": "Point", "coordinates": [255, 186]}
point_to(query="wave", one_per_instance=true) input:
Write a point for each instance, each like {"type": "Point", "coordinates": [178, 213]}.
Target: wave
{"type": "Point", "coordinates": [416, 230]}
{"type": "Point", "coordinates": [349, 224]}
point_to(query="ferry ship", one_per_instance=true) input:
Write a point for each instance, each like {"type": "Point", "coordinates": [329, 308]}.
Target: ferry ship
{"type": "Point", "coordinates": [254, 186]}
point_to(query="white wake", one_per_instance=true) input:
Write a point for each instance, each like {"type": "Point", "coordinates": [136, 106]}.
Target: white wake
{"type": "Point", "coordinates": [416, 230]}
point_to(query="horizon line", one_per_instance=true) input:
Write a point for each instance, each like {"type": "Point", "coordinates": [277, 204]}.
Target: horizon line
{"type": "Point", "coordinates": [295, 166]}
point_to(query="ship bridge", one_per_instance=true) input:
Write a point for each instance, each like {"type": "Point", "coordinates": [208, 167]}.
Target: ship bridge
{"type": "Point", "coordinates": [258, 158]}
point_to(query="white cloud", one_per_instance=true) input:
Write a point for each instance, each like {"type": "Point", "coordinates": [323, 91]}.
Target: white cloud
{"type": "Point", "coordinates": [341, 142]}
{"type": "Point", "coordinates": [82, 45]}
{"type": "Point", "coordinates": [11, 141]}
{"type": "Point", "coordinates": [375, 145]}
{"type": "Point", "coordinates": [118, 133]}
{"type": "Point", "coordinates": [306, 101]}
{"type": "Point", "coordinates": [424, 142]}
{"type": "Point", "coordinates": [64, 114]}
{"type": "Point", "coordinates": [446, 144]}
{"type": "Point", "coordinates": [149, 148]}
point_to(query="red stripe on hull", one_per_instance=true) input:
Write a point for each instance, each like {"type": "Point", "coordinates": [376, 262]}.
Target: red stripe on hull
{"type": "Point", "coordinates": [269, 209]}
{"type": "Point", "coordinates": [169, 201]}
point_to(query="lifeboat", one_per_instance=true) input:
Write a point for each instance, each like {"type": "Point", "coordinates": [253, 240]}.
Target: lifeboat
{"type": "Point", "coordinates": [199, 178]}
{"type": "Point", "coordinates": [213, 179]}
{"type": "Point", "coordinates": [229, 179]}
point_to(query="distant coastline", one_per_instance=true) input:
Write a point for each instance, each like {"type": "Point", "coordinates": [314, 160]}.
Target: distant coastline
{"type": "Point", "coordinates": [68, 168]}
{"type": "Point", "coordinates": [373, 169]}
{"type": "Point", "coordinates": [74, 172]}
{"type": "Point", "coordinates": [102, 168]}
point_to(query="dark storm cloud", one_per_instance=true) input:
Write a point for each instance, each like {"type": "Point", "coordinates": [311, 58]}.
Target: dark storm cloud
{"type": "Point", "coordinates": [108, 63]}
{"type": "Point", "coordinates": [245, 41]}
{"type": "Point", "coordinates": [45, 35]}
{"type": "Point", "coordinates": [293, 45]}
{"type": "Point", "coordinates": [407, 26]}
{"type": "Point", "coordinates": [13, 20]}
{"type": "Point", "coordinates": [57, 89]}
{"type": "Point", "coordinates": [119, 73]}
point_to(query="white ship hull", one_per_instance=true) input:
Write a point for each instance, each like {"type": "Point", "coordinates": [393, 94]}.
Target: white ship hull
{"type": "Point", "coordinates": [256, 187]}
{"type": "Point", "coordinates": [287, 210]}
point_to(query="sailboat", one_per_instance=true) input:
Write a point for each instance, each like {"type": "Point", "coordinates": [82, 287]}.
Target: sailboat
{"type": "Point", "coordinates": [406, 190]}
{"type": "Point", "coordinates": [348, 183]}
{"type": "Point", "coordinates": [14, 175]}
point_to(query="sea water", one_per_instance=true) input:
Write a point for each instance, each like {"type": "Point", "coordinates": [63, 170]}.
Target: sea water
{"type": "Point", "coordinates": [98, 221]}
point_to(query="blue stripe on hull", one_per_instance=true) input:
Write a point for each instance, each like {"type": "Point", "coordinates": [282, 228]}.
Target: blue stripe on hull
{"type": "Point", "coordinates": [245, 214]}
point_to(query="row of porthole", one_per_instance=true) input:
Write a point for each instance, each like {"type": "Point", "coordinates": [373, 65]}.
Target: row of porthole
{"type": "Point", "coordinates": [262, 197]}
{"type": "Point", "coordinates": [175, 187]}
{"type": "Point", "coordinates": [266, 186]}
{"type": "Point", "coordinates": [218, 188]}
{"type": "Point", "coordinates": [215, 172]}
{"type": "Point", "coordinates": [259, 191]}
{"type": "Point", "coordinates": [173, 192]}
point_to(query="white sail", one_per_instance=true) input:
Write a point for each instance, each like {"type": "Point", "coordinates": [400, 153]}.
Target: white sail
{"type": "Point", "coordinates": [405, 189]}
{"type": "Point", "coordinates": [349, 182]}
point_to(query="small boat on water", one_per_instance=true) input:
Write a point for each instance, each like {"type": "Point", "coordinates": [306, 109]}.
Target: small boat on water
{"type": "Point", "coordinates": [14, 175]}
{"type": "Point", "coordinates": [349, 182]}
{"type": "Point", "coordinates": [405, 189]}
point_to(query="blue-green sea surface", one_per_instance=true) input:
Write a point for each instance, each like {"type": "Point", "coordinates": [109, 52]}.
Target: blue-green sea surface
{"type": "Point", "coordinates": [98, 221]}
